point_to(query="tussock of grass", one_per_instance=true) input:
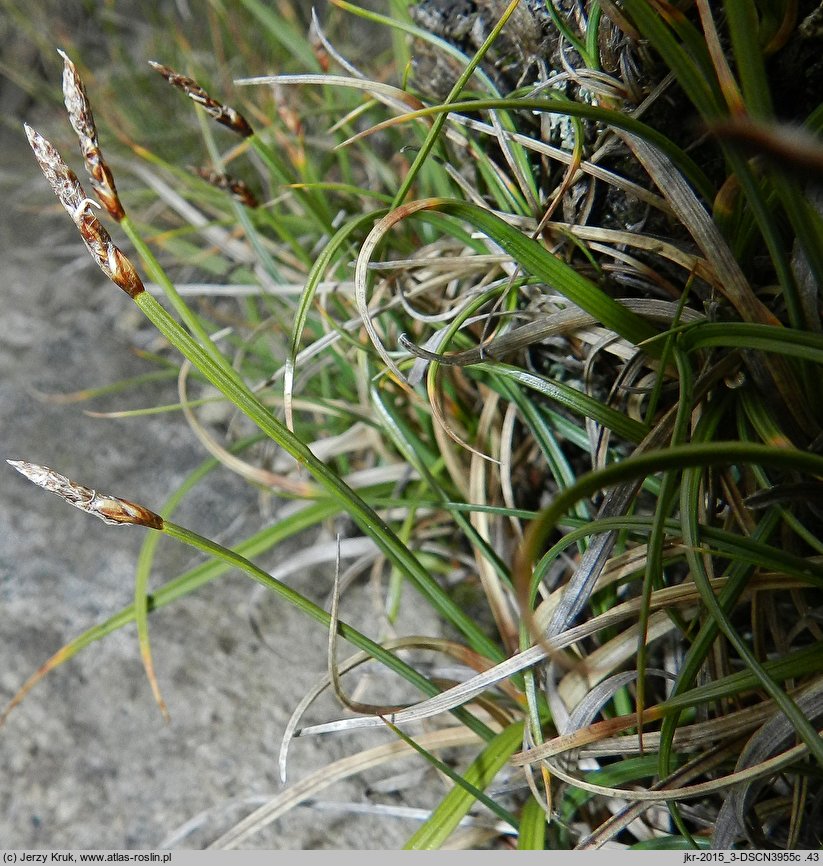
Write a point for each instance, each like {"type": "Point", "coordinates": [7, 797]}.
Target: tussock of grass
{"type": "Point", "coordinates": [551, 352]}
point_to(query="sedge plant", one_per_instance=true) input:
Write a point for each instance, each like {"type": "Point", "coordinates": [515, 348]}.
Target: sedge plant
{"type": "Point", "coordinates": [567, 390]}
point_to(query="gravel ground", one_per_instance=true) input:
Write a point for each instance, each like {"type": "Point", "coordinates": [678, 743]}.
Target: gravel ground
{"type": "Point", "coordinates": [86, 760]}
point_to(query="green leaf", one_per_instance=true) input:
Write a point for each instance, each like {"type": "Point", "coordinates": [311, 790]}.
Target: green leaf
{"type": "Point", "coordinates": [537, 261]}
{"type": "Point", "coordinates": [456, 804]}
{"type": "Point", "coordinates": [571, 398]}
{"type": "Point", "coordinates": [532, 827]}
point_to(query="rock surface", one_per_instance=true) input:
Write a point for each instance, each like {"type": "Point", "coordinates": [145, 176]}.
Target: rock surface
{"type": "Point", "coordinates": [86, 760]}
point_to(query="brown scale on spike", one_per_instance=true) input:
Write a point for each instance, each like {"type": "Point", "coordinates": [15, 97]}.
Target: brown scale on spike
{"type": "Point", "coordinates": [221, 113]}
{"type": "Point", "coordinates": [110, 509]}
{"type": "Point", "coordinates": [69, 191]}
{"type": "Point", "coordinates": [238, 189]}
{"type": "Point", "coordinates": [82, 121]}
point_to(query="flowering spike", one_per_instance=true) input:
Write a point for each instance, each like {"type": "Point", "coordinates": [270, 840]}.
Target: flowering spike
{"type": "Point", "coordinates": [221, 113]}
{"type": "Point", "coordinates": [110, 509]}
{"type": "Point", "coordinates": [72, 196]}
{"type": "Point", "coordinates": [82, 121]}
{"type": "Point", "coordinates": [61, 178]}
{"type": "Point", "coordinates": [238, 189]}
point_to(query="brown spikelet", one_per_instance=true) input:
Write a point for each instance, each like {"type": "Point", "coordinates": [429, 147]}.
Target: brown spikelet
{"type": "Point", "coordinates": [110, 509]}
{"type": "Point", "coordinates": [238, 189]}
{"type": "Point", "coordinates": [68, 190]}
{"type": "Point", "coordinates": [221, 113]}
{"type": "Point", "coordinates": [61, 178]}
{"type": "Point", "coordinates": [82, 121]}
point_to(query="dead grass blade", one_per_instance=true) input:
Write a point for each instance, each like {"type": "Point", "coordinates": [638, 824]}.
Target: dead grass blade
{"type": "Point", "coordinates": [319, 780]}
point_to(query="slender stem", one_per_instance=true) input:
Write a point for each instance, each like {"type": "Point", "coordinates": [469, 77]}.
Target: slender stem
{"type": "Point", "coordinates": [222, 377]}
{"type": "Point", "coordinates": [317, 613]}
{"type": "Point", "coordinates": [437, 125]}
{"type": "Point", "coordinates": [158, 275]}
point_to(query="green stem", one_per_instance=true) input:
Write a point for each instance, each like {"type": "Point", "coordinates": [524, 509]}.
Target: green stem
{"type": "Point", "coordinates": [317, 613]}
{"type": "Point", "coordinates": [223, 377]}
{"type": "Point", "coordinates": [158, 275]}
{"type": "Point", "coordinates": [440, 119]}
